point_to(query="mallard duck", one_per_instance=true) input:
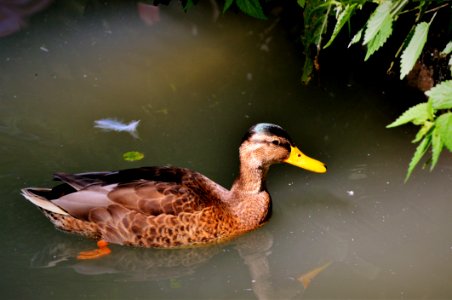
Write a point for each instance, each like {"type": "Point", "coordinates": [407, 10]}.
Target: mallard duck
{"type": "Point", "coordinates": [169, 207]}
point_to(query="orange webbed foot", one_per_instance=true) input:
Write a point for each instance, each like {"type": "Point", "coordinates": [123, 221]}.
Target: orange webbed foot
{"type": "Point", "coordinates": [102, 250]}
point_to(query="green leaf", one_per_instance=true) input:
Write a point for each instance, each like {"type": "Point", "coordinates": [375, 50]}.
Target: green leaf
{"type": "Point", "coordinates": [441, 95]}
{"type": "Point", "coordinates": [187, 4]}
{"type": "Point", "coordinates": [133, 156]}
{"type": "Point", "coordinates": [444, 125]}
{"type": "Point", "coordinates": [251, 8]}
{"type": "Point", "coordinates": [301, 3]}
{"type": "Point", "coordinates": [343, 18]}
{"type": "Point", "coordinates": [377, 20]}
{"type": "Point", "coordinates": [315, 19]}
{"type": "Point", "coordinates": [356, 38]}
{"type": "Point", "coordinates": [437, 146]}
{"type": "Point", "coordinates": [413, 50]}
{"type": "Point", "coordinates": [420, 151]}
{"type": "Point", "coordinates": [307, 70]}
{"type": "Point", "coordinates": [227, 5]}
{"type": "Point", "coordinates": [423, 131]}
{"type": "Point", "coordinates": [417, 114]}
{"type": "Point", "coordinates": [380, 38]}
{"type": "Point", "coordinates": [447, 49]}
{"type": "Point", "coordinates": [175, 283]}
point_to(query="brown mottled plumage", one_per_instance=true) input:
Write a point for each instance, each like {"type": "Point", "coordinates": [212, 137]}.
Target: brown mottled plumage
{"type": "Point", "coordinates": [171, 207]}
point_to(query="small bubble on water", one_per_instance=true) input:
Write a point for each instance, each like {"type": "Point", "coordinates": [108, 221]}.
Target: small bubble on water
{"type": "Point", "coordinates": [194, 30]}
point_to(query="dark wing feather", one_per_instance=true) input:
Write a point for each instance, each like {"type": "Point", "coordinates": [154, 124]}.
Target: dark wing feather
{"type": "Point", "coordinates": [83, 180]}
{"type": "Point", "coordinates": [80, 181]}
{"type": "Point", "coordinates": [151, 191]}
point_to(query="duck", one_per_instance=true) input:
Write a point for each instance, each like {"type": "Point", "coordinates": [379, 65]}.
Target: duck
{"type": "Point", "coordinates": [171, 207]}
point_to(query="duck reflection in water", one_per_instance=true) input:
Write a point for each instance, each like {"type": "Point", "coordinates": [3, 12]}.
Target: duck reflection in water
{"type": "Point", "coordinates": [139, 264]}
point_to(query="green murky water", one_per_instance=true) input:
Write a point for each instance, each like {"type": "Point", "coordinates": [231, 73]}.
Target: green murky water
{"type": "Point", "coordinates": [197, 83]}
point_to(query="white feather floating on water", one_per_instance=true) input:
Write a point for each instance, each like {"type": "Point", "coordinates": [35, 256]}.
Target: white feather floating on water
{"type": "Point", "coordinates": [115, 125]}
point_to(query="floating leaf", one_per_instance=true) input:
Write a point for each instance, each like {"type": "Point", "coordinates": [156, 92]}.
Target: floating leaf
{"type": "Point", "coordinates": [252, 8]}
{"type": "Point", "coordinates": [343, 18]}
{"type": "Point", "coordinates": [380, 37]}
{"type": "Point", "coordinates": [441, 95]}
{"type": "Point", "coordinates": [175, 283]}
{"type": "Point", "coordinates": [414, 49]}
{"type": "Point", "coordinates": [420, 151]}
{"type": "Point", "coordinates": [306, 278]}
{"type": "Point", "coordinates": [377, 20]}
{"type": "Point", "coordinates": [133, 156]}
{"type": "Point", "coordinates": [437, 146]}
{"type": "Point", "coordinates": [417, 114]}
{"type": "Point", "coordinates": [444, 125]}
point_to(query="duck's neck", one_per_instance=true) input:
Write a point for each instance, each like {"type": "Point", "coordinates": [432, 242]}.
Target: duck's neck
{"type": "Point", "coordinates": [249, 199]}
{"type": "Point", "coordinates": [251, 180]}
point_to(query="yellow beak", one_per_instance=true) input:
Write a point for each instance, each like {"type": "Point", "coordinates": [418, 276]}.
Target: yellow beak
{"type": "Point", "coordinates": [297, 158]}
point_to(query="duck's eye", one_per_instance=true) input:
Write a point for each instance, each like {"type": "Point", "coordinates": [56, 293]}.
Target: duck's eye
{"type": "Point", "coordinates": [275, 142]}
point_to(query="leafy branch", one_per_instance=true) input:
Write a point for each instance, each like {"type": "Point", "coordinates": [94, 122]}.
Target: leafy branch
{"type": "Point", "coordinates": [434, 116]}
{"type": "Point", "coordinates": [435, 132]}
{"type": "Point", "coordinates": [252, 8]}
{"type": "Point", "coordinates": [374, 34]}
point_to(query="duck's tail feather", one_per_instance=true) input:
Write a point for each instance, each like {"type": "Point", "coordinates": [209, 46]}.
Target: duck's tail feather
{"type": "Point", "coordinates": [32, 195]}
{"type": "Point", "coordinates": [82, 180]}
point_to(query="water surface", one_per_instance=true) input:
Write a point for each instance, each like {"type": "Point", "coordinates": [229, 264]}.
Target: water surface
{"type": "Point", "coordinates": [197, 83]}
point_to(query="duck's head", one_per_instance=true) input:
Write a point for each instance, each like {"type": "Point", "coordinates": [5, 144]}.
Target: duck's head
{"type": "Point", "coordinates": [265, 144]}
